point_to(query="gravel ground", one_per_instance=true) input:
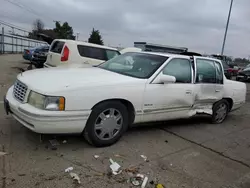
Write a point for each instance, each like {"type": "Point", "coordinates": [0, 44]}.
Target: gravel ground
{"type": "Point", "coordinates": [184, 153]}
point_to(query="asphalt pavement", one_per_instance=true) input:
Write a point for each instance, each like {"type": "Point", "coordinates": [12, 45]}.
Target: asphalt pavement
{"type": "Point", "coordinates": [180, 154]}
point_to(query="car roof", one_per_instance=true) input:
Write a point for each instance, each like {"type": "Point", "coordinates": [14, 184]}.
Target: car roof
{"type": "Point", "coordinates": [86, 44]}
{"type": "Point", "coordinates": [179, 55]}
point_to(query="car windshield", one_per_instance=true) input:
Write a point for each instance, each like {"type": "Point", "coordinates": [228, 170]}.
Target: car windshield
{"type": "Point", "coordinates": [139, 65]}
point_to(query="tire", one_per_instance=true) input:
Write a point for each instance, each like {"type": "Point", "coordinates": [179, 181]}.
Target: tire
{"type": "Point", "coordinates": [101, 116]}
{"type": "Point", "coordinates": [222, 105]}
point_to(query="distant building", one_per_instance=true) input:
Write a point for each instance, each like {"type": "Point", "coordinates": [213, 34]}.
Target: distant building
{"type": "Point", "coordinates": [159, 48]}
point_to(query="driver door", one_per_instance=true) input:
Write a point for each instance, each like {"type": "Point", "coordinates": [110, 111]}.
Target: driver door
{"type": "Point", "coordinates": [164, 101]}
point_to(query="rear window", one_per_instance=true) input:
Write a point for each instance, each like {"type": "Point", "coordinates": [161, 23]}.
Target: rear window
{"type": "Point", "coordinates": [57, 47]}
{"type": "Point", "coordinates": [96, 53]}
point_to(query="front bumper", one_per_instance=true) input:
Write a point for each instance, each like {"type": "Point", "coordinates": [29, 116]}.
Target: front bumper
{"type": "Point", "coordinates": [42, 121]}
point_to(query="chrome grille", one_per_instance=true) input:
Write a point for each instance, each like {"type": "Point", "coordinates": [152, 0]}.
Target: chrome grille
{"type": "Point", "coordinates": [19, 91]}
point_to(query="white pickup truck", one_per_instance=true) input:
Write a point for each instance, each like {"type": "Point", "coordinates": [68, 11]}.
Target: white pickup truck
{"type": "Point", "coordinates": [102, 102]}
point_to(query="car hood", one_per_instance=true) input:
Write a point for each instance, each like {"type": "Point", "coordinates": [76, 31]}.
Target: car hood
{"type": "Point", "coordinates": [49, 80]}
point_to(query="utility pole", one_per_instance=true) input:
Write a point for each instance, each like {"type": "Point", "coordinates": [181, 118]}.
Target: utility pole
{"type": "Point", "coordinates": [225, 35]}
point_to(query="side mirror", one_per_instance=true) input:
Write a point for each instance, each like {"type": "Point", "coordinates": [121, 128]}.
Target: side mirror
{"type": "Point", "coordinates": [167, 79]}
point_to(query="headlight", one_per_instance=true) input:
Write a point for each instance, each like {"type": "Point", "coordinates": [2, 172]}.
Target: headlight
{"type": "Point", "coordinates": [46, 102]}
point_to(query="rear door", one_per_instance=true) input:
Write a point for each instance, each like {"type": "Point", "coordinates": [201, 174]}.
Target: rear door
{"type": "Point", "coordinates": [205, 82]}
{"type": "Point", "coordinates": [55, 53]}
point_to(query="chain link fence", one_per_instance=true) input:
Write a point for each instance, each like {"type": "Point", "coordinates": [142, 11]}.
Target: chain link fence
{"type": "Point", "coordinates": [15, 40]}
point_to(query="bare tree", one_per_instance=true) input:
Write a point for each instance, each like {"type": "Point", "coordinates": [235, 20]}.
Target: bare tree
{"type": "Point", "coordinates": [38, 25]}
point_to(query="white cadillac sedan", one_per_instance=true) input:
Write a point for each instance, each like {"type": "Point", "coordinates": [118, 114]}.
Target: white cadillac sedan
{"type": "Point", "coordinates": [102, 102]}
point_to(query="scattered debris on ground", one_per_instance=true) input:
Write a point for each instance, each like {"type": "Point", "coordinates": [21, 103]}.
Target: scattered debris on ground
{"type": "Point", "coordinates": [159, 186]}
{"type": "Point", "coordinates": [96, 156]}
{"type": "Point", "coordinates": [115, 167]}
{"type": "Point", "coordinates": [132, 169]}
{"type": "Point", "coordinates": [69, 169]}
{"type": "Point", "coordinates": [144, 183]}
{"type": "Point", "coordinates": [2, 153]}
{"type": "Point", "coordinates": [75, 177]}
{"type": "Point", "coordinates": [51, 177]}
{"type": "Point", "coordinates": [137, 180]}
{"type": "Point", "coordinates": [145, 158]}
{"type": "Point", "coordinates": [21, 174]}
{"type": "Point", "coordinates": [64, 142]}
{"type": "Point", "coordinates": [54, 143]}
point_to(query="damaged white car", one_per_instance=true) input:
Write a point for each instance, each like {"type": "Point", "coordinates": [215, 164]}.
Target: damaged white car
{"type": "Point", "coordinates": [102, 102]}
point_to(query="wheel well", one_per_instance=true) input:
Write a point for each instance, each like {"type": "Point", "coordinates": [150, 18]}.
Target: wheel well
{"type": "Point", "coordinates": [128, 104]}
{"type": "Point", "coordinates": [230, 101]}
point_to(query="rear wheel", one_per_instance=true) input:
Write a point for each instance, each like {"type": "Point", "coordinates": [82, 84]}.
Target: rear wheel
{"type": "Point", "coordinates": [106, 124]}
{"type": "Point", "coordinates": [220, 111]}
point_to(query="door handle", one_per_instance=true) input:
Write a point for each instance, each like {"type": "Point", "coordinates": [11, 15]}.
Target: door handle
{"type": "Point", "coordinates": [217, 90]}
{"type": "Point", "coordinates": [188, 92]}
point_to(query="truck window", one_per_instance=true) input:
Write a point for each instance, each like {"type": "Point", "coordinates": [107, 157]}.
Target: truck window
{"type": "Point", "coordinates": [206, 72]}
{"type": "Point", "coordinates": [180, 69]}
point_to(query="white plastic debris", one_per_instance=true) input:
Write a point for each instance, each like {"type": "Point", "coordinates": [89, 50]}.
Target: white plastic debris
{"type": "Point", "coordinates": [64, 142]}
{"type": "Point", "coordinates": [140, 176]}
{"type": "Point", "coordinates": [2, 153]}
{"type": "Point", "coordinates": [69, 169]}
{"type": "Point", "coordinates": [75, 177]}
{"type": "Point", "coordinates": [144, 157]}
{"type": "Point", "coordinates": [144, 183]}
{"type": "Point", "coordinates": [96, 156]}
{"type": "Point", "coordinates": [115, 167]}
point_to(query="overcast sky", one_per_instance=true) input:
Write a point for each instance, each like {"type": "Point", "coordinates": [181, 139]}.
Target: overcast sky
{"type": "Point", "coordinates": [196, 24]}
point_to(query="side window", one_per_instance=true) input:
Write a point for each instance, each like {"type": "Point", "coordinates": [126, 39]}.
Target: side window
{"type": "Point", "coordinates": [91, 52]}
{"type": "Point", "coordinates": [180, 69]}
{"type": "Point", "coordinates": [219, 73]}
{"type": "Point", "coordinates": [206, 71]}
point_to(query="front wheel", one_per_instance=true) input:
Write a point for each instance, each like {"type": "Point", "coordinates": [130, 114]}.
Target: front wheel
{"type": "Point", "coordinates": [106, 124]}
{"type": "Point", "coordinates": [220, 111]}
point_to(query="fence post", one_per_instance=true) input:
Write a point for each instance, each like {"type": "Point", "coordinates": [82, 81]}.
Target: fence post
{"type": "Point", "coordinates": [16, 45]}
{"type": "Point", "coordinates": [12, 39]}
{"type": "Point", "coordinates": [3, 40]}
